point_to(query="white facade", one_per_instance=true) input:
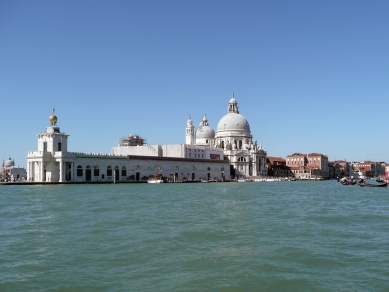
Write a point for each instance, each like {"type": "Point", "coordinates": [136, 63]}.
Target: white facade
{"type": "Point", "coordinates": [192, 151]}
{"type": "Point", "coordinates": [234, 137]}
{"type": "Point", "coordinates": [53, 163]}
{"type": "Point", "coordinates": [10, 172]}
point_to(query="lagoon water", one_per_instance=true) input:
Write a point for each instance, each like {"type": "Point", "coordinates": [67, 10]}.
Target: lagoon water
{"type": "Point", "coordinates": [260, 236]}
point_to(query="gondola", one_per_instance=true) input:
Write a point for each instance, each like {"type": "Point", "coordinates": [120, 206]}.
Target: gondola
{"type": "Point", "coordinates": [349, 183]}
{"type": "Point", "coordinates": [374, 185]}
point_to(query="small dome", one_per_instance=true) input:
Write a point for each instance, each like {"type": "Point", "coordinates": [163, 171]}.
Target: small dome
{"type": "Point", "coordinates": [9, 162]}
{"type": "Point", "coordinates": [205, 132]}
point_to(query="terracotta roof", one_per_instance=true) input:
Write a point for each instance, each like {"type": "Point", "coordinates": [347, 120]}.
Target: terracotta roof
{"type": "Point", "coordinates": [272, 158]}
{"type": "Point", "coordinates": [296, 154]}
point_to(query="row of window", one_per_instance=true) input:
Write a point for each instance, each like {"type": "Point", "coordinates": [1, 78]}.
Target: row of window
{"type": "Point", "coordinates": [96, 170]}
{"type": "Point", "coordinates": [197, 156]}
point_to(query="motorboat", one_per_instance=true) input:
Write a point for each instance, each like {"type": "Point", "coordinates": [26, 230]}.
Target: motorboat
{"type": "Point", "coordinates": [242, 179]}
{"type": "Point", "coordinates": [155, 181]}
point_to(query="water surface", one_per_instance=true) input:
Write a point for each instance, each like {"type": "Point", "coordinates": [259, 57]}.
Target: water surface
{"type": "Point", "coordinates": [262, 236]}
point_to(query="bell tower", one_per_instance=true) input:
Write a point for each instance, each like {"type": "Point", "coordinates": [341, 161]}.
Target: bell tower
{"type": "Point", "coordinates": [189, 132]}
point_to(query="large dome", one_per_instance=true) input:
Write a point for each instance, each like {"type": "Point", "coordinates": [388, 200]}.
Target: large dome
{"type": "Point", "coordinates": [233, 122]}
{"type": "Point", "coordinates": [9, 162]}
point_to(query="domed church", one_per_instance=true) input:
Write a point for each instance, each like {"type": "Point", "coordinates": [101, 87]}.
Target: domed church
{"type": "Point", "coordinates": [233, 135]}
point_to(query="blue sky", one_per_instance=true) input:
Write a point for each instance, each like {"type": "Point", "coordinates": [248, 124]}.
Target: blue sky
{"type": "Point", "coordinates": [309, 76]}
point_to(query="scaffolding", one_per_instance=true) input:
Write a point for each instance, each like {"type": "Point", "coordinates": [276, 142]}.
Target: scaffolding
{"type": "Point", "coordinates": [133, 140]}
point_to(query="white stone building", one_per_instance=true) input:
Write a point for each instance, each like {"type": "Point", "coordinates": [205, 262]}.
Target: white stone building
{"type": "Point", "coordinates": [10, 172]}
{"type": "Point", "coordinates": [54, 163]}
{"type": "Point", "coordinates": [233, 136]}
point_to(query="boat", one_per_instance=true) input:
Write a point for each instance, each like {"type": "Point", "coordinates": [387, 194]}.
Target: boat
{"type": "Point", "coordinates": [191, 181]}
{"type": "Point", "coordinates": [155, 181]}
{"type": "Point", "coordinates": [380, 180]}
{"type": "Point", "coordinates": [242, 179]}
{"type": "Point", "coordinates": [349, 182]}
{"type": "Point", "coordinates": [373, 185]}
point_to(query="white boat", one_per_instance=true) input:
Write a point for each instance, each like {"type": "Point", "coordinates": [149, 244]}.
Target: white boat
{"type": "Point", "coordinates": [242, 179]}
{"type": "Point", "coordinates": [155, 181]}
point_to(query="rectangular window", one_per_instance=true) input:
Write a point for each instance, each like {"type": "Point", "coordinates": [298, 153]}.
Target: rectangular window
{"type": "Point", "coordinates": [109, 172]}
{"type": "Point", "coordinates": [96, 172]}
{"type": "Point", "coordinates": [79, 171]}
{"type": "Point", "coordinates": [45, 146]}
{"type": "Point", "coordinates": [59, 146]}
{"type": "Point", "coordinates": [124, 172]}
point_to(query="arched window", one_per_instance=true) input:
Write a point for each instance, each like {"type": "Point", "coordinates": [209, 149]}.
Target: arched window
{"type": "Point", "coordinates": [109, 170]}
{"type": "Point", "coordinates": [124, 171]}
{"type": "Point", "coordinates": [96, 170]}
{"type": "Point", "coordinates": [79, 170]}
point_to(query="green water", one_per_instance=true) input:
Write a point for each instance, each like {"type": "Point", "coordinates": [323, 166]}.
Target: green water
{"type": "Point", "coordinates": [260, 236]}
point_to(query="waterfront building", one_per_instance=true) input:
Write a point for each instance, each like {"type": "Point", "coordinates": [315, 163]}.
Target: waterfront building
{"type": "Point", "coordinates": [276, 167]}
{"type": "Point", "coordinates": [232, 141]}
{"type": "Point", "coordinates": [233, 136]}
{"type": "Point", "coordinates": [341, 168]}
{"type": "Point", "coordinates": [53, 162]}
{"type": "Point", "coordinates": [370, 168]}
{"type": "Point", "coordinates": [308, 166]}
{"type": "Point", "coordinates": [11, 172]}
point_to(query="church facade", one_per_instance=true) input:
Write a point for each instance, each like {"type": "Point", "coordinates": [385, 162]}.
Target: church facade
{"type": "Point", "coordinates": [227, 153]}
{"type": "Point", "coordinates": [233, 136]}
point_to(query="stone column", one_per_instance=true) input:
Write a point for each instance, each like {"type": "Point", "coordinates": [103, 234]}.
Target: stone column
{"type": "Point", "coordinates": [61, 171]}
{"type": "Point", "coordinates": [41, 172]}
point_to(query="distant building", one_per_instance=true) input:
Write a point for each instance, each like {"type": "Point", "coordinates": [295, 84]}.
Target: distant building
{"type": "Point", "coordinates": [10, 172]}
{"type": "Point", "coordinates": [276, 167]}
{"type": "Point", "coordinates": [308, 166]}
{"type": "Point", "coordinates": [232, 142]}
{"type": "Point", "coordinates": [53, 162]}
{"type": "Point", "coordinates": [370, 168]}
{"type": "Point", "coordinates": [341, 168]}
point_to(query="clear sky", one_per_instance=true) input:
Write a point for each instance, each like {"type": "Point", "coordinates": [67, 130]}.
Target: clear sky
{"type": "Point", "coordinates": [309, 76]}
